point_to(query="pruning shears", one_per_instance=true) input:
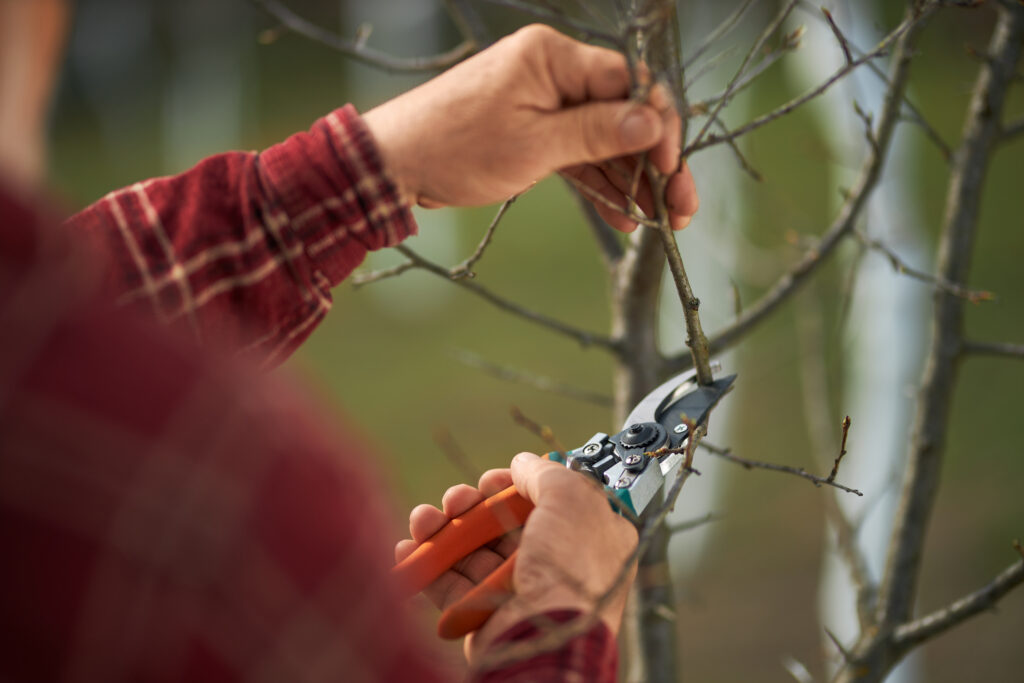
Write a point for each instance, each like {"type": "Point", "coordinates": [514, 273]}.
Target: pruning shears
{"type": "Point", "coordinates": [633, 465]}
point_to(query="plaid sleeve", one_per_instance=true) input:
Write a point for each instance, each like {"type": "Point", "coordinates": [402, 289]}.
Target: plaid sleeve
{"type": "Point", "coordinates": [244, 248]}
{"type": "Point", "coordinates": [592, 657]}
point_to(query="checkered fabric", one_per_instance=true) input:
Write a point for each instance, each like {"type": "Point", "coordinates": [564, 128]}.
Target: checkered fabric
{"type": "Point", "coordinates": [167, 513]}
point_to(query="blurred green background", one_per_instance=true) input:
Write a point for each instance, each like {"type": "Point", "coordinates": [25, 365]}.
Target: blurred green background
{"type": "Point", "coordinates": [152, 87]}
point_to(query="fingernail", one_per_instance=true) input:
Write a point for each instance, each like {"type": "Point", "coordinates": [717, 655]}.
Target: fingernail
{"type": "Point", "coordinates": [640, 128]}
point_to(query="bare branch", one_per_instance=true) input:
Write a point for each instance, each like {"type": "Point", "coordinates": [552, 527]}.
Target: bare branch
{"type": "Point", "coordinates": [689, 524]}
{"type": "Point", "coordinates": [582, 336]}
{"type": "Point", "coordinates": [464, 269]}
{"type": "Point", "coordinates": [1012, 130]}
{"type": "Point", "coordinates": [848, 215]}
{"type": "Point", "coordinates": [900, 266]}
{"type": "Point", "coordinates": [733, 83]}
{"type": "Point", "coordinates": [915, 116]}
{"type": "Point", "coordinates": [701, 142]}
{"type": "Point", "coordinates": [916, 632]}
{"type": "Point", "coordinates": [536, 381]}
{"type": "Point", "coordinates": [920, 484]}
{"type": "Point", "coordinates": [727, 454]}
{"type": "Point", "coordinates": [993, 349]}
{"type": "Point", "coordinates": [561, 18]}
{"type": "Point", "coordinates": [596, 196]}
{"type": "Point", "coordinates": [606, 236]}
{"type": "Point", "coordinates": [720, 32]}
{"type": "Point", "coordinates": [847, 657]}
{"type": "Point", "coordinates": [543, 432]}
{"type": "Point", "coordinates": [451, 449]}
{"type": "Point", "coordinates": [843, 43]}
{"type": "Point", "coordinates": [360, 52]}
{"type": "Point", "coordinates": [360, 279]}
{"type": "Point", "coordinates": [842, 451]}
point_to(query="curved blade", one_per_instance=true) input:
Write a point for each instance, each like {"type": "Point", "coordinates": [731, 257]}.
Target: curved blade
{"type": "Point", "coordinates": [694, 400]}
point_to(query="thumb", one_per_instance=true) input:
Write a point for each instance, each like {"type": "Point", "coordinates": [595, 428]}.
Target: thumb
{"type": "Point", "coordinates": [532, 475]}
{"type": "Point", "coordinates": [597, 131]}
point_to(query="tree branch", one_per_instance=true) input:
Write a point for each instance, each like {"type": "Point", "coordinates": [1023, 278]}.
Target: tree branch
{"type": "Point", "coordinates": [981, 127]}
{"type": "Point", "coordinates": [536, 381]}
{"type": "Point", "coordinates": [727, 454]}
{"type": "Point", "coordinates": [900, 266]}
{"type": "Point", "coordinates": [849, 213]}
{"type": "Point", "coordinates": [1012, 130]}
{"type": "Point", "coordinates": [700, 142]}
{"type": "Point", "coordinates": [561, 18]}
{"type": "Point", "coordinates": [927, 627]}
{"type": "Point", "coordinates": [464, 269]}
{"type": "Point", "coordinates": [993, 349]}
{"type": "Point", "coordinates": [584, 337]}
{"type": "Point", "coordinates": [356, 50]}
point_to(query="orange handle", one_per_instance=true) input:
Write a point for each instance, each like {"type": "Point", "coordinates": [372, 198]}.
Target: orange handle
{"type": "Point", "coordinates": [477, 606]}
{"type": "Point", "coordinates": [484, 522]}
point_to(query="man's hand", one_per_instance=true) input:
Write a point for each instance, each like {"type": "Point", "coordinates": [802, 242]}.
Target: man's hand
{"type": "Point", "coordinates": [571, 550]}
{"type": "Point", "coordinates": [533, 103]}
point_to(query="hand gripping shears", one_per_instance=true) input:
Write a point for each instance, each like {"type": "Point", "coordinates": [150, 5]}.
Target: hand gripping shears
{"type": "Point", "coordinates": [633, 465]}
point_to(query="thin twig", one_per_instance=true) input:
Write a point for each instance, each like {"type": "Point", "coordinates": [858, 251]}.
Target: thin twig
{"type": "Point", "coordinates": [842, 451]}
{"type": "Point", "coordinates": [689, 524]}
{"type": "Point", "coordinates": [1012, 130]}
{"type": "Point", "coordinates": [560, 17]}
{"type": "Point", "coordinates": [530, 379]}
{"type": "Point", "coordinates": [727, 454]}
{"type": "Point", "coordinates": [701, 142]}
{"type": "Point", "coordinates": [542, 431]}
{"type": "Point", "coordinates": [464, 269]}
{"type": "Point", "coordinates": [606, 236]}
{"type": "Point", "coordinates": [754, 49]}
{"type": "Point", "coordinates": [604, 201]}
{"type": "Point", "coordinates": [916, 117]}
{"type": "Point", "coordinates": [848, 214]}
{"type": "Point", "coordinates": [582, 336]}
{"type": "Point", "coordinates": [900, 266]}
{"type": "Point", "coordinates": [455, 454]}
{"type": "Point", "coordinates": [840, 38]}
{"type": "Point", "coordinates": [847, 657]}
{"type": "Point", "coordinates": [360, 52]}
{"type": "Point", "coordinates": [360, 279]}
{"type": "Point", "coordinates": [908, 635]}
{"type": "Point", "coordinates": [720, 32]}
{"type": "Point", "coordinates": [993, 349]}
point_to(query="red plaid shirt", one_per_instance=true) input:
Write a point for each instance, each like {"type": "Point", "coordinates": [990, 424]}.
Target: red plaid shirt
{"type": "Point", "coordinates": [166, 513]}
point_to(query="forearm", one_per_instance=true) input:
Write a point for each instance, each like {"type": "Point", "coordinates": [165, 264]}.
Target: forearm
{"type": "Point", "coordinates": [244, 248]}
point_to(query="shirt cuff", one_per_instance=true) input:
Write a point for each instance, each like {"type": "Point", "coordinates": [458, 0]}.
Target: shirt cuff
{"type": "Point", "coordinates": [590, 656]}
{"type": "Point", "coordinates": [339, 199]}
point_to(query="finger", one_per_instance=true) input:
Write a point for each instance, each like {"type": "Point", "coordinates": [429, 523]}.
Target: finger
{"type": "Point", "coordinates": [425, 521]}
{"type": "Point", "coordinates": [495, 481]}
{"type": "Point", "coordinates": [681, 197]}
{"type": "Point", "coordinates": [596, 131]}
{"type": "Point", "coordinates": [665, 155]}
{"type": "Point", "coordinates": [462, 577]}
{"type": "Point", "coordinates": [598, 182]}
{"type": "Point", "coordinates": [404, 548]}
{"type": "Point", "coordinates": [533, 476]}
{"type": "Point", "coordinates": [459, 499]}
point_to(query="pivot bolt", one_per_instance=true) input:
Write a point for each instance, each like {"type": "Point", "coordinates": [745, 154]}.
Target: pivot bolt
{"type": "Point", "coordinates": [591, 449]}
{"type": "Point", "coordinates": [680, 428]}
{"type": "Point", "coordinates": [622, 483]}
{"type": "Point", "coordinates": [632, 459]}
